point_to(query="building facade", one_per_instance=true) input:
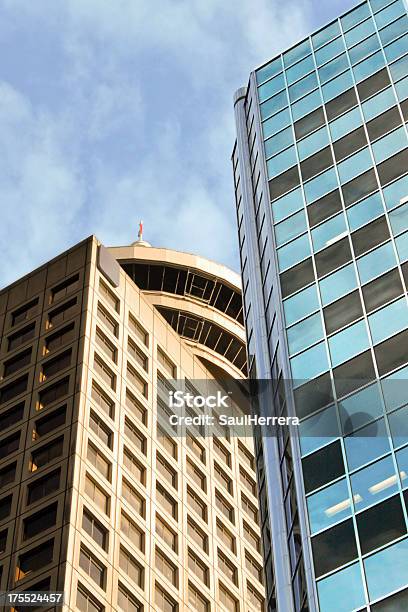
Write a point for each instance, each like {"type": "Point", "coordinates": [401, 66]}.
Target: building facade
{"type": "Point", "coordinates": [100, 497]}
{"type": "Point", "coordinates": [320, 169]}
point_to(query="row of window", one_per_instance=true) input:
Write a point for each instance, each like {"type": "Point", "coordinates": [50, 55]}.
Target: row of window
{"type": "Point", "coordinates": [87, 602]}
{"type": "Point", "coordinates": [331, 60]}
{"type": "Point", "coordinates": [329, 34]}
{"type": "Point", "coordinates": [348, 136]}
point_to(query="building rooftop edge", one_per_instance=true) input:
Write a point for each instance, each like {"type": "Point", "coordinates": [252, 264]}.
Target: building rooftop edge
{"type": "Point", "coordinates": [240, 93]}
{"type": "Point", "coordinates": [175, 257]}
{"type": "Point", "coordinates": [299, 41]}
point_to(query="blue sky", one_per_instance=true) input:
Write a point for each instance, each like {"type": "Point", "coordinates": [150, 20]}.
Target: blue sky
{"type": "Point", "coordinates": [116, 110]}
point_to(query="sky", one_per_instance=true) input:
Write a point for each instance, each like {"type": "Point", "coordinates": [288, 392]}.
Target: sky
{"type": "Point", "coordinates": [112, 111]}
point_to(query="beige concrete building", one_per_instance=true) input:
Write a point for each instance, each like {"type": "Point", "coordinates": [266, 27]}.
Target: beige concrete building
{"type": "Point", "coordinates": [96, 498]}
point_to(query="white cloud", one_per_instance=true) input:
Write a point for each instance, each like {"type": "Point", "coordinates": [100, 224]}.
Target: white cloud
{"type": "Point", "coordinates": [41, 190]}
{"type": "Point", "coordinates": [135, 119]}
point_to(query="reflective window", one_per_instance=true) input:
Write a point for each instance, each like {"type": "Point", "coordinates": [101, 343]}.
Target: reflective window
{"type": "Point", "coordinates": [367, 444]}
{"type": "Point", "coordinates": [342, 591]}
{"type": "Point", "coordinates": [313, 143]}
{"type": "Point", "coordinates": [399, 219]}
{"type": "Point", "coordinates": [398, 421]}
{"type": "Point", "coordinates": [303, 87]}
{"type": "Point", "coordinates": [335, 87]}
{"type": "Point", "coordinates": [359, 32]}
{"type": "Point", "coordinates": [273, 105]}
{"type": "Point", "coordinates": [349, 342]}
{"type": "Point", "coordinates": [269, 70]}
{"type": "Point", "coordinates": [345, 124]}
{"type": "Point", "coordinates": [369, 66]}
{"type": "Point", "coordinates": [402, 462]}
{"type": "Point", "coordinates": [292, 227]}
{"type": "Point", "coordinates": [355, 16]}
{"type": "Point", "coordinates": [309, 364]}
{"type": "Point", "coordinates": [352, 166]}
{"type": "Point", "coordinates": [294, 252]}
{"type": "Point", "coordinates": [276, 123]}
{"type": "Point", "coordinates": [317, 187]}
{"type": "Point", "coordinates": [271, 87]}
{"type": "Point", "coordinates": [318, 430]}
{"type": "Point", "coordinates": [374, 483]}
{"type": "Point", "coordinates": [378, 103]}
{"type": "Point", "coordinates": [395, 29]}
{"type": "Point", "coordinates": [329, 506]}
{"type": "Point", "coordinates": [402, 247]}
{"type": "Point", "coordinates": [389, 14]}
{"type": "Point", "coordinates": [394, 193]}
{"type": "Point", "coordinates": [364, 49]}
{"type": "Point", "coordinates": [390, 144]}
{"type": "Point", "coordinates": [389, 320]}
{"type": "Point", "coordinates": [399, 69]}
{"type": "Point", "coordinates": [375, 263]}
{"type": "Point", "coordinates": [365, 211]}
{"type": "Point", "coordinates": [360, 408]}
{"type": "Point", "coordinates": [338, 284]}
{"type": "Point", "coordinates": [281, 162]}
{"type": "Point", "coordinates": [298, 70]}
{"type": "Point", "coordinates": [333, 68]}
{"type": "Point", "coordinates": [306, 105]}
{"type": "Point", "coordinates": [278, 142]}
{"type": "Point", "coordinates": [397, 48]}
{"type": "Point", "coordinates": [325, 35]}
{"type": "Point", "coordinates": [300, 305]}
{"type": "Point", "coordinates": [287, 205]}
{"type": "Point", "coordinates": [386, 571]}
{"type": "Point", "coordinates": [377, 5]}
{"type": "Point", "coordinates": [305, 333]}
{"type": "Point", "coordinates": [395, 389]}
{"type": "Point", "coordinates": [295, 54]}
{"type": "Point", "coordinates": [326, 53]}
{"type": "Point", "coordinates": [329, 232]}
{"type": "Point", "coordinates": [402, 89]}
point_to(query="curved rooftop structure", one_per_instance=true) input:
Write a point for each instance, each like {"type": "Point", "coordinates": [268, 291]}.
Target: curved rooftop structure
{"type": "Point", "coordinates": [199, 298]}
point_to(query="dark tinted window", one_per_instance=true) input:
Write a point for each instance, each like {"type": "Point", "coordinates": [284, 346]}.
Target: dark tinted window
{"type": "Point", "coordinates": [393, 168]}
{"type": "Point", "coordinates": [323, 466]}
{"type": "Point", "coordinates": [324, 208]}
{"type": "Point", "coordinates": [333, 257]}
{"type": "Point", "coordinates": [349, 144]}
{"type": "Point", "coordinates": [334, 547]}
{"type": "Point", "coordinates": [297, 277]}
{"type": "Point", "coordinates": [373, 84]}
{"type": "Point", "coordinates": [392, 353]}
{"type": "Point", "coordinates": [383, 124]}
{"type": "Point", "coordinates": [284, 182]}
{"type": "Point", "coordinates": [381, 524]}
{"type": "Point", "coordinates": [370, 236]}
{"type": "Point", "coordinates": [341, 104]}
{"type": "Point", "coordinates": [343, 312]}
{"type": "Point", "coordinates": [382, 290]}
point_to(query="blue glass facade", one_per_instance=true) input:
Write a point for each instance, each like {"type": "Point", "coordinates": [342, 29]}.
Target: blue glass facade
{"type": "Point", "coordinates": [321, 179]}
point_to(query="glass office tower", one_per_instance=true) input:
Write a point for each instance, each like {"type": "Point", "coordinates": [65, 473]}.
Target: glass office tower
{"type": "Point", "coordinates": [321, 180]}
